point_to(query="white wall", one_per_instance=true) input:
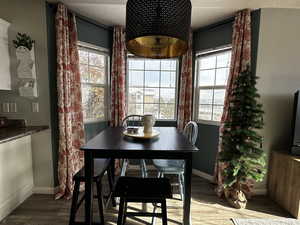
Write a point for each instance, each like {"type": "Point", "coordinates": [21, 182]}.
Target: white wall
{"type": "Point", "coordinates": [278, 66]}
{"type": "Point", "coordinates": [30, 17]}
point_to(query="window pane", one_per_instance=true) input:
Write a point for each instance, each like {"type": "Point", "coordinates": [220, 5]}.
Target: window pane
{"type": "Point", "coordinates": [96, 59]}
{"type": "Point", "coordinates": [217, 112]}
{"type": "Point", "coordinates": [84, 73]}
{"type": "Point", "coordinates": [205, 112]}
{"type": "Point", "coordinates": [151, 109]}
{"type": "Point", "coordinates": [152, 64]}
{"type": "Point", "coordinates": [206, 96]}
{"type": "Point", "coordinates": [151, 95]}
{"type": "Point", "coordinates": [219, 95]}
{"type": "Point", "coordinates": [223, 60]}
{"type": "Point", "coordinates": [168, 79]}
{"type": "Point", "coordinates": [153, 85]}
{"type": "Point", "coordinates": [136, 78]}
{"type": "Point", "coordinates": [222, 76]}
{"type": "Point", "coordinates": [135, 109]}
{"type": "Point", "coordinates": [206, 77]}
{"type": "Point", "coordinates": [151, 78]}
{"type": "Point", "coordinates": [168, 65]}
{"type": "Point", "coordinates": [136, 64]}
{"type": "Point", "coordinates": [93, 102]}
{"type": "Point", "coordinates": [83, 56]}
{"type": "Point", "coordinates": [135, 95]}
{"type": "Point", "coordinates": [167, 111]}
{"type": "Point", "coordinates": [97, 75]}
{"type": "Point", "coordinates": [208, 62]}
{"type": "Point", "coordinates": [167, 95]}
{"type": "Point", "coordinates": [212, 78]}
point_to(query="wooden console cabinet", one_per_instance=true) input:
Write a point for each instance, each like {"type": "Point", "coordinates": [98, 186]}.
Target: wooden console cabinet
{"type": "Point", "coordinates": [284, 181]}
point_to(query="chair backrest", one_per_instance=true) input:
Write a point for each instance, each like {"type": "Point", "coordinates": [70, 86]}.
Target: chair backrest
{"type": "Point", "coordinates": [190, 131]}
{"type": "Point", "coordinates": [132, 120]}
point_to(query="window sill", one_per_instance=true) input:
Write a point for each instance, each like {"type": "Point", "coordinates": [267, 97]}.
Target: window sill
{"type": "Point", "coordinates": [165, 120]}
{"type": "Point", "coordinates": [94, 121]}
{"type": "Point", "coordinates": [207, 122]}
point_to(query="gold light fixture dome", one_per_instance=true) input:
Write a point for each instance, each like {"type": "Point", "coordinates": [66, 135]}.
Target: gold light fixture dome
{"type": "Point", "coordinates": [158, 28]}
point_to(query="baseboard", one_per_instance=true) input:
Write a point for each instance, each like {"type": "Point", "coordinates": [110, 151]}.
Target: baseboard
{"type": "Point", "coordinates": [15, 200]}
{"type": "Point", "coordinates": [205, 176]}
{"type": "Point", "coordinates": [258, 191]}
{"type": "Point", "coordinates": [45, 190]}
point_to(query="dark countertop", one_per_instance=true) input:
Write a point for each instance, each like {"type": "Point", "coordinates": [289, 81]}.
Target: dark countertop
{"type": "Point", "coordinates": [12, 133]}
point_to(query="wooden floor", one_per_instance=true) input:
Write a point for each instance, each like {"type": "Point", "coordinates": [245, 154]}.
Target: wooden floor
{"type": "Point", "coordinates": [207, 209]}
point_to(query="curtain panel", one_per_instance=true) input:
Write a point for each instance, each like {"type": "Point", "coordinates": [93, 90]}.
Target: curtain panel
{"type": "Point", "coordinates": [118, 102]}
{"type": "Point", "coordinates": [186, 87]}
{"type": "Point", "coordinates": [71, 128]}
{"type": "Point", "coordinates": [240, 59]}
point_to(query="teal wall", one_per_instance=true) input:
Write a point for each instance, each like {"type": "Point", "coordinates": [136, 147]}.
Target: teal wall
{"type": "Point", "coordinates": [90, 32]}
{"type": "Point", "coordinates": [213, 36]}
{"type": "Point", "coordinates": [93, 33]}
{"type": "Point", "coordinates": [50, 16]}
{"type": "Point", "coordinates": [92, 129]}
{"type": "Point", "coordinates": [207, 142]}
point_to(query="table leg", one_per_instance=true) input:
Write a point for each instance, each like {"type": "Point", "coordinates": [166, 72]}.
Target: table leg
{"type": "Point", "coordinates": [187, 191]}
{"type": "Point", "coordinates": [89, 170]}
{"type": "Point", "coordinates": [113, 177]}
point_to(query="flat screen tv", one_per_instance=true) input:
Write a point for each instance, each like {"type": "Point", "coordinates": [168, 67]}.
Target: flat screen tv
{"type": "Point", "coordinates": [296, 125]}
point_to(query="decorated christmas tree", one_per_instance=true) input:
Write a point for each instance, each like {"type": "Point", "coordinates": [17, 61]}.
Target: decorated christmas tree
{"type": "Point", "coordinates": [242, 154]}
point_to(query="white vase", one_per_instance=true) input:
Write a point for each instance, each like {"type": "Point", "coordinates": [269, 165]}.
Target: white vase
{"type": "Point", "coordinates": [26, 72]}
{"type": "Point", "coordinates": [148, 121]}
{"type": "Point", "coordinates": [26, 62]}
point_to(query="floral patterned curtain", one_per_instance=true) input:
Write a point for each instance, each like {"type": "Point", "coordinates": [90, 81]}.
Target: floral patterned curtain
{"type": "Point", "coordinates": [186, 87]}
{"type": "Point", "coordinates": [118, 107]}
{"type": "Point", "coordinates": [71, 129]}
{"type": "Point", "coordinates": [240, 59]}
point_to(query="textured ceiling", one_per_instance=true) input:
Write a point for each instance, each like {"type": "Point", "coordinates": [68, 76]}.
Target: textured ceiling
{"type": "Point", "coordinates": [205, 12]}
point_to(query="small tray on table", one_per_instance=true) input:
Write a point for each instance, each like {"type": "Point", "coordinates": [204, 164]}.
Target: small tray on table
{"type": "Point", "coordinates": [141, 135]}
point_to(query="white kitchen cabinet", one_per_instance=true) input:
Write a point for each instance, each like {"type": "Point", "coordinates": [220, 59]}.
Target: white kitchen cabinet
{"type": "Point", "coordinates": [5, 75]}
{"type": "Point", "coordinates": [16, 174]}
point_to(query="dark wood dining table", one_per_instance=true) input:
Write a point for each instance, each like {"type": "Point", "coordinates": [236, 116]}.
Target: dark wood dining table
{"type": "Point", "coordinates": [111, 143]}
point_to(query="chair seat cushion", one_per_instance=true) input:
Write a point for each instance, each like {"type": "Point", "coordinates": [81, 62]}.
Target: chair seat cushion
{"type": "Point", "coordinates": [100, 166]}
{"type": "Point", "coordinates": [143, 188]}
{"type": "Point", "coordinates": [165, 165]}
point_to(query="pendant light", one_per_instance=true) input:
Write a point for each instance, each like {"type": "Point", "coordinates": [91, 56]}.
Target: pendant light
{"type": "Point", "coordinates": [158, 28]}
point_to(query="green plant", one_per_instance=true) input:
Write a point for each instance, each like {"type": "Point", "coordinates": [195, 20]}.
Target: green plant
{"type": "Point", "coordinates": [242, 153]}
{"type": "Point", "coordinates": [23, 40]}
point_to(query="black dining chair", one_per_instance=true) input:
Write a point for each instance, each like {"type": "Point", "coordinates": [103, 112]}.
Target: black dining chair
{"type": "Point", "coordinates": [100, 167]}
{"type": "Point", "coordinates": [144, 190]}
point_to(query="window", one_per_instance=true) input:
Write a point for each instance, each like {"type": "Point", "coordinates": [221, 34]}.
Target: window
{"type": "Point", "coordinates": [211, 79]}
{"type": "Point", "coordinates": [93, 70]}
{"type": "Point", "coordinates": [152, 87]}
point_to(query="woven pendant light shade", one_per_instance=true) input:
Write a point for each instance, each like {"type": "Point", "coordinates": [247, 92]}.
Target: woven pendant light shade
{"type": "Point", "coordinates": [158, 28]}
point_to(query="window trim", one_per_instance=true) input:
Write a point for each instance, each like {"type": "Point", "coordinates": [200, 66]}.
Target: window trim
{"type": "Point", "coordinates": [97, 49]}
{"type": "Point", "coordinates": [130, 56]}
{"type": "Point", "coordinates": [197, 88]}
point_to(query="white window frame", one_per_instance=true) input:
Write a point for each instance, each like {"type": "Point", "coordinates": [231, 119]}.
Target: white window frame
{"type": "Point", "coordinates": [106, 86]}
{"type": "Point", "coordinates": [132, 57]}
{"type": "Point", "coordinates": [197, 88]}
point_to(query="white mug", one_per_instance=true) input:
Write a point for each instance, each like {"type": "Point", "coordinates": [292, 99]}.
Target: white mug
{"type": "Point", "coordinates": [148, 121]}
